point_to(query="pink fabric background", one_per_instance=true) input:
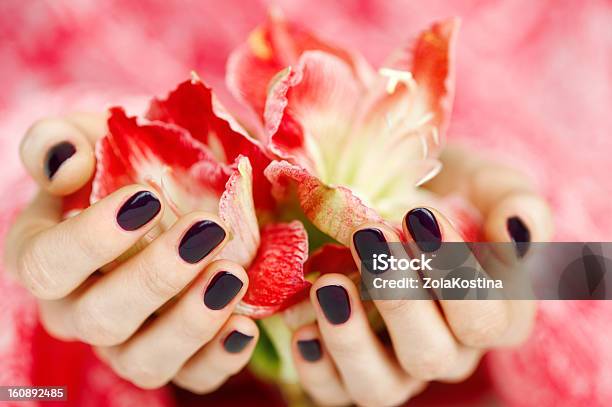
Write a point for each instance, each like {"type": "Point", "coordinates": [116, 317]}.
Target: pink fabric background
{"type": "Point", "coordinates": [533, 88]}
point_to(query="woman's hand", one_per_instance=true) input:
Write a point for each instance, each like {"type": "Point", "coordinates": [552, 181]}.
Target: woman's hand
{"type": "Point", "coordinates": [165, 313]}
{"type": "Point", "coordinates": [340, 360]}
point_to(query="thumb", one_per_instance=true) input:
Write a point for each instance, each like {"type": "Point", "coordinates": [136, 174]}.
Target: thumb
{"type": "Point", "coordinates": [59, 152]}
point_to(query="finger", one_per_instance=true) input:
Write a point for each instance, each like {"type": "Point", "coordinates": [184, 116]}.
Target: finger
{"type": "Point", "coordinates": [155, 353]}
{"type": "Point", "coordinates": [110, 311]}
{"type": "Point", "coordinates": [475, 323]}
{"type": "Point", "coordinates": [51, 261]}
{"type": "Point", "coordinates": [316, 370]}
{"type": "Point", "coordinates": [42, 213]}
{"type": "Point", "coordinates": [93, 125]}
{"type": "Point", "coordinates": [520, 218]}
{"type": "Point", "coordinates": [481, 181]}
{"type": "Point", "coordinates": [224, 356]}
{"type": "Point", "coordinates": [58, 155]}
{"type": "Point", "coordinates": [425, 347]}
{"type": "Point", "coordinates": [506, 197]}
{"type": "Point", "coordinates": [357, 353]}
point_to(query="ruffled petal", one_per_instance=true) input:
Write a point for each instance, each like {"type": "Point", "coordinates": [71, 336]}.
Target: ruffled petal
{"type": "Point", "coordinates": [309, 112]}
{"type": "Point", "coordinates": [402, 120]}
{"type": "Point", "coordinates": [416, 89]}
{"type": "Point", "coordinates": [193, 107]}
{"type": "Point", "coordinates": [273, 47]}
{"type": "Point", "coordinates": [330, 258]}
{"type": "Point", "coordinates": [276, 276]}
{"type": "Point", "coordinates": [237, 210]}
{"type": "Point", "coordinates": [335, 210]}
{"type": "Point", "coordinates": [161, 155]}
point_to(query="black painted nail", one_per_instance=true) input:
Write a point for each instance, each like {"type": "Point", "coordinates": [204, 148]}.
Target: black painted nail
{"type": "Point", "coordinates": [310, 349]}
{"type": "Point", "coordinates": [519, 234]}
{"type": "Point", "coordinates": [335, 303]}
{"type": "Point", "coordinates": [423, 227]}
{"type": "Point", "coordinates": [200, 240]}
{"type": "Point", "coordinates": [236, 342]}
{"type": "Point", "coordinates": [222, 289]}
{"type": "Point", "coordinates": [139, 210]}
{"type": "Point", "coordinates": [369, 242]}
{"type": "Point", "coordinates": [56, 157]}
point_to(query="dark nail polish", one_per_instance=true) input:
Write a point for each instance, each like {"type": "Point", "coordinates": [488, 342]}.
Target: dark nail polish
{"type": "Point", "coordinates": [335, 303]}
{"type": "Point", "coordinates": [56, 157]}
{"type": "Point", "coordinates": [139, 210]}
{"type": "Point", "coordinates": [423, 227]}
{"type": "Point", "coordinates": [200, 240]}
{"type": "Point", "coordinates": [222, 289]}
{"type": "Point", "coordinates": [369, 242]}
{"type": "Point", "coordinates": [519, 234]}
{"type": "Point", "coordinates": [310, 349]}
{"type": "Point", "coordinates": [236, 342]}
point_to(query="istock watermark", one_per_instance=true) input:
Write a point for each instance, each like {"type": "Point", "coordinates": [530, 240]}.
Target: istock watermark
{"type": "Point", "coordinates": [484, 271]}
{"type": "Point", "coordinates": [383, 262]}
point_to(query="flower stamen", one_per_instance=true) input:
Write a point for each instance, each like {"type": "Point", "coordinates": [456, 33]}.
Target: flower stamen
{"type": "Point", "coordinates": [395, 77]}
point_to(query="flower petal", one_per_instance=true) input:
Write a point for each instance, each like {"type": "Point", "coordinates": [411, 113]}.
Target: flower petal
{"type": "Point", "coordinates": [403, 125]}
{"type": "Point", "coordinates": [276, 277]}
{"type": "Point", "coordinates": [237, 210]}
{"type": "Point", "coordinates": [193, 107]}
{"type": "Point", "coordinates": [335, 210]}
{"type": "Point", "coordinates": [273, 47]}
{"type": "Point", "coordinates": [330, 258]}
{"type": "Point", "coordinates": [309, 111]}
{"type": "Point", "coordinates": [161, 155]}
{"type": "Point", "coordinates": [424, 92]}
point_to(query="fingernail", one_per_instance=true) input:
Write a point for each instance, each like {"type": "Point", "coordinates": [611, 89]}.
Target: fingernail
{"type": "Point", "coordinates": [423, 227]}
{"type": "Point", "coordinates": [369, 242]}
{"type": "Point", "coordinates": [310, 349]}
{"type": "Point", "coordinates": [236, 342]}
{"type": "Point", "coordinates": [200, 240]}
{"type": "Point", "coordinates": [222, 289]}
{"type": "Point", "coordinates": [335, 303]}
{"type": "Point", "coordinates": [56, 157]}
{"type": "Point", "coordinates": [520, 235]}
{"type": "Point", "coordinates": [139, 210]}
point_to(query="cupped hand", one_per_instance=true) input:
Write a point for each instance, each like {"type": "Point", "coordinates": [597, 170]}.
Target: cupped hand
{"type": "Point", "coordinates": [164, 314]}
{"type": "Point", "coordinates": [340, 359]}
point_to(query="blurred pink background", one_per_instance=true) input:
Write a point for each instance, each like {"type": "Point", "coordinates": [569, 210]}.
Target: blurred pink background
{"type": "Point", "coordinates": [534, 88]}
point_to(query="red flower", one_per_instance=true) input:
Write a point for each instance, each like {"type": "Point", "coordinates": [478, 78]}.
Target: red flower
{"type": "Point", "coordinates": [351, 144]}
{"type": "Point", "coordinates": [193, 153]}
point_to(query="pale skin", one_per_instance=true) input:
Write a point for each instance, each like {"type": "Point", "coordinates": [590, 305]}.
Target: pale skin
{"type": "Point", "coordinates": [429, 342]}
{"type": "Point", "coordinates": [57, 261]}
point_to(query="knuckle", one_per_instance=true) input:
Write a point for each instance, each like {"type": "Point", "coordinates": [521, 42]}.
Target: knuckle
{"type": "Point", "coordinates": [432, 364]}
{"type": "Point", "coordinates": [155, 283]}
{"type": "Point", "coordinates": [374, 396]}
{"type": "Point", "coordinates": [196, 327]}
{"type": "Point", "coordinates": [34, 272]}
{"type": "Point", "coordinates": [94, 328]}
{"type": "Point", "coordinates": [401, 307]}
{"type": "Point", "coordinates": [482, 330]}
{"type": "Point", "coordinates": [140, 373]}
{"type": "Point", "coordinates": [90, 247]}
{"type": "Point", "coordinates": [343, 347]}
